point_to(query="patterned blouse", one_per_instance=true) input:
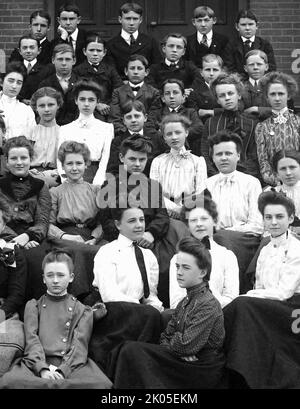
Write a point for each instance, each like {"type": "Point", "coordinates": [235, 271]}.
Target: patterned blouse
{"type": "Point", "coordinates": [196, 324]}
{"type": "Point", "coordinates": [272, 135]}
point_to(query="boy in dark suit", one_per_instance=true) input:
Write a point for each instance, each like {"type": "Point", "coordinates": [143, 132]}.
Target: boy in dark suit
{"type": "Point", "coordinates": [174, 65]}
{"type": "Point", "coordinates": [236, 50]}
{"type": "Point", "coordinates": [39, 26]}
{"type": "Point", "coordinates": [205, 40]}
{"type": "Point", "coordinates": [29, 49]}
{"type": "Point", "coordinates": [135, 89]}
{"type": "Point", "coordinates": [63, 80]}
{"type": "Point", "coordinates": [68, 31]}
{"type": "Point", "coordinates": [130, 41]}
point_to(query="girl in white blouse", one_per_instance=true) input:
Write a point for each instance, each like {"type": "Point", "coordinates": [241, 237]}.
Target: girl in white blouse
{"type": "Point", "coordinates": [96, 134]}
{"type": "Point", "coordinates": [201, 219]}
{"type": "Point", "coordinates": [19, 118]}
{"type": "Point", "coordinates": [179, 172]}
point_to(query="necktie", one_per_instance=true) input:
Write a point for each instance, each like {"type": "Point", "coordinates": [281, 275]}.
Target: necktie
{"type": "Point", "coordinates": [226, 193]}
{"type": "Point", "coordinates": [247, 45]}
{"type": "Point", "coordinates": [172, 65]}
{"type": "Point", "coordinates": [204, 40]}
{"type": "Point", "coordinates": [95, 67]}
{"type": "Point", "coordinates": [141, 264]}
{"type": "Point", "coordinates": [255, 86]}
{"type": "Point", "coordinates": [29, 68]}
{"type": "Point", "coordinates": [132, 40]}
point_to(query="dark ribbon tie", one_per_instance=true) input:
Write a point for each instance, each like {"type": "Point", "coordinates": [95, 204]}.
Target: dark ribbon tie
{"type": "Point", "coordinates": [141, 263]}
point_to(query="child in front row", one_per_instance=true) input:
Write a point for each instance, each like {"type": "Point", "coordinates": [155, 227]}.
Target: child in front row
{"type": "Point", "coordinates": [202, 99]}
{"type": "Point", "coordinates": [96, 69]}
{"type": "Point", "coordinates": [173, 98]}
{"type": "Point", "coordinates": [136, 89]}
{"type": "Point", "coordinates": [57, 332]}
{"type": "Point", "coordinates": [190, 351]}
{"type": "Point", "coordinates": [96, 134]}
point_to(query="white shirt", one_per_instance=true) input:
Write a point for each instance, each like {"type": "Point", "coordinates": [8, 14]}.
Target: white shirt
{"type": "Point", "coordinates": [224, 276]}
{"type": "Point", "coordinates": [117, 275]}
{"type": "Point", "coordinates": [32, 63]}
{"type": "Point", "coordinates": [18, 117]}
{"type": "Point", "coordinates": [96, 134]}
{"type": "Point", "coordinates": [251, 39]}
{"type": "Point", "coordinates": [179, 172]}
{"type": "Point", "coordinates": [208, 36]}
{"type": "Point", "coordinates": [126, 36]}
{"type": "Point", "coordinates": [278, 269]}
{"type": "Point", "coordinates": [236, 201]}
{"type": "Point", "coordinates": [168, 63]}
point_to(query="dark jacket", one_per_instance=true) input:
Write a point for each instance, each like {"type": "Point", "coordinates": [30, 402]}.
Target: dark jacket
{"type": "Point", "coordinates": [43, 58]}
{"type": "Point", "coordinates": [118, 51]}
{"type": "Point", "coordinates": [244, 127]}
{"type": "Point", "coordinates": [195, 51]}
{"type": "Point", "coordinates": [147, 94]}
{"type": "Point", "coordinates": [80, 44]}
{"type": "Point", "coordinates": [105, 75]}
{"type": "Point", "coordinates": [69, 111]}
{"type": "Point", "coordinates": [186, 71]}
{"type": "Point", "coordinates": [151, 197]}
{"type": "Point", "coordinates": [33, 80]}
{"type": "Point", "coordinates": [234, 54]}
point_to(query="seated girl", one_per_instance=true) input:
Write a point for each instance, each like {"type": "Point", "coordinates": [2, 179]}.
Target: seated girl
{"type": "Point", "coordinates": [282, 129]}
{"type": "Point", "coordinates": [28, 197]}
{"type": "Point", "coordinates": [190, 350]}
{"type": "Point", "coordinates": [179, 172]}
{"type": "Point", "coordinates": [262, 341]}
{"type": "Point", "coordinates": [57, 333]}
{"type": "Point", "coordinates": [19, 118]}
{"type": "Point", "coordinates": [13, 275]}
{"type": "Point", "coordinates": [96, 134]}
{"type": "Point", "coordinates": [201, 217]}
{"type": "Point", "coordinates": [74, 210]}
{"type": "Point", "coordinates": [45, 101]}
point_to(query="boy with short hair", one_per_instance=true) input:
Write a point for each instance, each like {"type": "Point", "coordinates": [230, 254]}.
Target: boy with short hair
{"type": "Point", "coordinates": [29, 48]}
{"type": "Point", "coordinates": [235, 51]}
{"type": "Point", "coordinates": [174, 64]}
{"type": "Point", "coordinates": [205, 40]}
{"type": "Point", "coordinates": [228, 91]}
{"type": "Point", "coordinates": [68, 32]}
{"type": "Point", "coordinates": [130, 40]}
{"type": "Point", "coordinates": [63, 80]}
{"type": "Point", "coordinates": [39, 26]}
{"type": "Point", "coordinates": [136, 89]}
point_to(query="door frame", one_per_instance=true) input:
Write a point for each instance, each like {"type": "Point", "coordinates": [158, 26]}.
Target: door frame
{"type": "Point", "coordinates": [49, 6]}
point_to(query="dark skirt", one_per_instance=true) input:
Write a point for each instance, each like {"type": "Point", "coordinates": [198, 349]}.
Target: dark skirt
{"type": "Point", "coordinates": [124, 321]}
{"type": "Point", "coordinates": [148, 366]}
{"type": "Point", "coordinates": [244, 246]}
{"type": "Point", "coordinates": [261, 342]}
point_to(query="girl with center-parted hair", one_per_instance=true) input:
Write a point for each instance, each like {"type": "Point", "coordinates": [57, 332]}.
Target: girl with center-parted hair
{"type": "Point", "coordinates": [201, 217]}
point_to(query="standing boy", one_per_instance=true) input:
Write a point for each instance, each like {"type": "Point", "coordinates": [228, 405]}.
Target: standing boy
{"type": "Point", "coordinates": [174, 65]}
{"type": "Point", "coordinates": [39, 26]}
{"type": "Point", "coordinates": [130, 40]}
{"type": "Point", "coordinates": [235, 51]}
{"type": "Point", "coordinates": [68, 31]}
{"type": "Point", "coordinates": [205, 40]}
{"type": "Point", "coordinates": [63, 80]}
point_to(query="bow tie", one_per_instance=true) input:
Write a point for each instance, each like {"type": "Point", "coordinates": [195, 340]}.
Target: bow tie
{"type": "Point", "coordinates": [7, 256]}
{"type": "Point", "coordinates": [205, 241]}
{"type": "Point", "coordinates": [280, 118]}
{"type": "Point", "coordinates": [183, 154]}
{"type": "Point", "coordinates": [136, 89]}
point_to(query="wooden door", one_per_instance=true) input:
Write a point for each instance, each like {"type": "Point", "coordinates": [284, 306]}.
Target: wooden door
{"type": "Point", "coordinates": [160, 16]}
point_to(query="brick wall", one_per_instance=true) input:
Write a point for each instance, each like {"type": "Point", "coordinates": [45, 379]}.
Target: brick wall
{"type": "Point", "coordinates": [14, 20]}
{"type": "Point", "coordinates": [280, 23]}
